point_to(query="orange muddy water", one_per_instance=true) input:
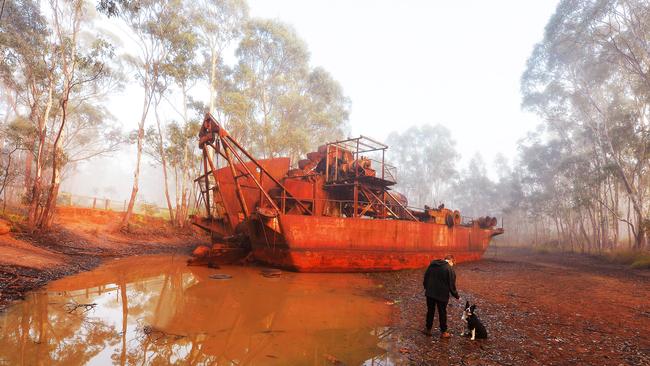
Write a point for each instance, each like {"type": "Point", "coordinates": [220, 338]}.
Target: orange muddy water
{"type": "Point", "coordinates": [156, 310]}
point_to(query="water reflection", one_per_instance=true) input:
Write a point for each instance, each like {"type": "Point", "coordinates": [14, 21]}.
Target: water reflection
{"type": "Point", "coordinates": [155, 310]}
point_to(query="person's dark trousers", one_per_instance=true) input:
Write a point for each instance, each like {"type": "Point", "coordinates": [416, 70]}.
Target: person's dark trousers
{"type": "Point", "coordinates": [432, 304]}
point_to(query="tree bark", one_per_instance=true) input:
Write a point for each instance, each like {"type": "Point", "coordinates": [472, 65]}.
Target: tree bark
{"type": "Point", "coordinates": [48, 211]}
{"type": "Point", "coordinates": [161, 149]}
{"type": "Point", "coordinates": [32, 214]}
{"type": "Point", "coordinates": [136, 173]}
{"type": "Point", "coordinates": [213, 78]}
{"type": "Point", "coordinates": [68, 67]}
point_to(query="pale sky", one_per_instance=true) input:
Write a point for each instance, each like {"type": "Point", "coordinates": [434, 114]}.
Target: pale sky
{"type": "Point", "coordinates": [457, 63]}
{"type": "Point", "coordinates": [401, 63]}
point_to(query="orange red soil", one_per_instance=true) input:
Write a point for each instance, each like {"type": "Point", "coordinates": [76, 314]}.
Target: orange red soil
{"type": "Point", "coordinates": [545, 309]}
{"type": "Point", "coordinates": [78, 241]}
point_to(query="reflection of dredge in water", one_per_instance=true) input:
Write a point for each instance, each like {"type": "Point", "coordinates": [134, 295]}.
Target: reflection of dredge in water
{"type": "Point", "coordinates": [335, 212]}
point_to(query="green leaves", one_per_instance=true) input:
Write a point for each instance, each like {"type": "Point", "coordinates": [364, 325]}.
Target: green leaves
{"type": "Point", "coordinates": [274, 100]}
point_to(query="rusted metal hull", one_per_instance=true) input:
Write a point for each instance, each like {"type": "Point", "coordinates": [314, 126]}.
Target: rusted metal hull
{"type": "Point", "coordinates": [334, 244]}
{"type": "Point", "coordinates": [335, 212]}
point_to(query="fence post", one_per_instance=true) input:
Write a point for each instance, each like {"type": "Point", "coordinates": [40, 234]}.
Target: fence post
{"type": "Point", "coordinates": [107, 204]}
{"type": "Point", "coordinates": [94, 202]}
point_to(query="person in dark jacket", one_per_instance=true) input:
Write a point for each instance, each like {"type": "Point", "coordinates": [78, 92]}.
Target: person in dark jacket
{"type": "Point", "coordinates": [439, 282]}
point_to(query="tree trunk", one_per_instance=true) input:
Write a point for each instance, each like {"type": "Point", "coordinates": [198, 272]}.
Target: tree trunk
{"type": "Point", "coordinates": [213, 79]}
{"type": "Point", "coordinates": [181, 214]}
{"type": "Point", "coordinates": [615, 221]}
{"type": "Point", "coordinates": [641, 233]}
{"type": "Point", "coordinates": [136, 173]}
{"type": "Point", "coordinates": [177, 192]}
{"type": "Point", "coordinates": [136, 178]}
{"type": "Point", "coordinates": [68, 67]}
{"type": "Point", "coordinates": [161, 149]}
{"type": "Point", "coordinates": [48, 211]}
{"type": "Point", "coordinates": [32, 214]}
{"type": "Point", "coordinates": [629, 227]}
{"type": "Point", "coordinates": [29, 158]}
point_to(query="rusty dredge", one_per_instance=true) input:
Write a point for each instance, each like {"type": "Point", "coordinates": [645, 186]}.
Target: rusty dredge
{"type": "Point", "coordinates": [335, 213]}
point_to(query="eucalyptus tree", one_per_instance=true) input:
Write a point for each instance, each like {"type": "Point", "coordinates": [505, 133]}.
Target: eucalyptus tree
{"type": "Point", "coordinates": [310, 113]}
{"type": "Point", "coordinates": [426, 159]}
{"type": "Point", "coordinates": [217, 23]}
{"type": "Point", "coordinates": [474, 193]}
{"type": "Point", "coordinates": [589, 80]}
{"type": "Point", "coordinates": [184, 70]}
{"type": "Point", "coordinates": [28, 68]}
{"type": "Point", "coordinates": [90, 131]}
{"type": "Point", "coordinates": [184, 162]}
{"type": "Point", "coordinates": [272, 61]}
{"type": "Point", "coordinates": [233, 107]}
{"type": "Point", "coordinates": [85, 77]}
{"type": "Point", "coordinates": [17, 135]}
{"type": "Point", "coordinates": [154, 26]}
{"type": "Point", "coordinates": [290, 104]}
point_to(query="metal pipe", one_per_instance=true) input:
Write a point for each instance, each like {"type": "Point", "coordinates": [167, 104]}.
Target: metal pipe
{"type": "Point", "coordinates": [230, 139]}
{"type": "Point", "coordinates": [214, 174]}
{"type": "Point", "coordinates": [223, 134]}
{"type": "Point", "coordinates": [207, 183]}
{"type": "Point", "coordinates": [240, 194]}
{"type": "Point", "coordinates": [258, 184]}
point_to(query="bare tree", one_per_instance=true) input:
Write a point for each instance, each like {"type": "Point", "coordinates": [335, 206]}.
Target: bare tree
{"type": "Point", "coordinates": [153, 25]}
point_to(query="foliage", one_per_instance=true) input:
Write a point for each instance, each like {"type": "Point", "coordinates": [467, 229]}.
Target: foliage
{"type": "Point", "coordinates": [426, 159]}
{"type": "Point", "coordinates": [292, 108]}
{"type": "Point", "coordinates": [149, 209]}
{"type": "Point", "coordinates": [474, 192]}
{"type": "Point", "coordinates": [589, 82]}
{"type": "Point", "coordinates": [633, 258]}
{"type": "Point", "coordinates": [642, 263]}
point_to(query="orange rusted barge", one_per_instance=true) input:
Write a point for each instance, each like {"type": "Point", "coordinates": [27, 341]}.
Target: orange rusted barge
{"type": "Point", "coordinates": [335, 212]}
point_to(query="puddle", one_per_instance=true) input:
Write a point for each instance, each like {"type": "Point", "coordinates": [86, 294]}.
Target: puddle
{"type": "Point", "coordinates": [155, 310]}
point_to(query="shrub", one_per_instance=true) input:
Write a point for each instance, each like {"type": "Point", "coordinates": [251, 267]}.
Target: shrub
{"type": "Point", "coordinates": [642, 262]}
{"type": "Point", "coordinates": [633, 258]}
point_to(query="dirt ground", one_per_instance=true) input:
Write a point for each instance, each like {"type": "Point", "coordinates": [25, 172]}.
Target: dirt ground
{"type": "Point", "coordinates": [79, 240]}
{"type": "Point", "coordinates": [545, 309]}
{"type": "Point", "coordinates": [539, 309]}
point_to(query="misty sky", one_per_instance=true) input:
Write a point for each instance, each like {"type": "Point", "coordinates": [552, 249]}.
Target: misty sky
{"type": "Point", "coordinates": [401, 63]}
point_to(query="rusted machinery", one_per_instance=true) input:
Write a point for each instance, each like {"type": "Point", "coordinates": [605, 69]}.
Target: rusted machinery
{"type": "Point", "coordinates": [335, 211]}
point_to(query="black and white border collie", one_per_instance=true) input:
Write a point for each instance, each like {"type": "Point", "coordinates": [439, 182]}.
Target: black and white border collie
{"type": "Point", "coordinates": [475, 328]}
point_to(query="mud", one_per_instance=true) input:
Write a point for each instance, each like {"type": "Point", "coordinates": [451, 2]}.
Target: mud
{"type": "Point", "coordinates": [156, 310]}
{"type": "Point", "coordinates": [547, 309]}
{"type": "Point", "coordinates": [79, 241]}
{"type": "Point", "coordinates": [550, 309]}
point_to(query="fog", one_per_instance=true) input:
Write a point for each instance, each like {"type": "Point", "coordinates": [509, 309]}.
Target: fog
{"type": "Point", "coordinates": [400, 63]}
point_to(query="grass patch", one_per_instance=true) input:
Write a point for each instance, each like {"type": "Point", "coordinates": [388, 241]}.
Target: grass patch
{"type": "Point", "coordinates": [12, 217]}
{"type": "Point", "coordinates": [551, 246]}
{"type": "Point", "coordinates": [542, 250]}
{"type": "Point", "coordinates": [632, 258]}
{"type": "Point", "coordinates": [643, 262]}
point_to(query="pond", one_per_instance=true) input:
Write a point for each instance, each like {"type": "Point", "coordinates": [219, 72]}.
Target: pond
{"type": "Point", "coordinates": [156, 310]}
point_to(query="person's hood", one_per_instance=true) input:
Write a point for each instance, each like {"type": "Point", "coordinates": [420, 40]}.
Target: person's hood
{"type": "Point", "coordinates": [438, 263]}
